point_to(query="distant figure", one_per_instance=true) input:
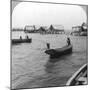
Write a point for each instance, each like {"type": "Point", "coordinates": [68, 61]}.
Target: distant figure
{"type": "Point", "coordinates": [48, 45]}
{"type": "Point", "coordinates": [68, 41]}
{"type": "Point", "coordinates": [20, 37]}
{"type": "Point", "coordinates": [27, 37]}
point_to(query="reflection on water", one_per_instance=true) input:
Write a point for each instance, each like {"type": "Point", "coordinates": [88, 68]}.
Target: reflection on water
{"type": "Point", "coordinates": [31, 67]}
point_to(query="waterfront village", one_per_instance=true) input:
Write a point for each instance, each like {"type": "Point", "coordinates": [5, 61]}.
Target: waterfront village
{"type": "Point", "coordinates": [55, 29]}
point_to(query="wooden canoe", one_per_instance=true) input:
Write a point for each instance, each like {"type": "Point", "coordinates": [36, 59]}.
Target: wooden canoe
{"type": "Point", "coordinates": [79, 77]}
{"type": "Point", "coordinates": [56, 53]}
{"type": "Point", "coordinates": [18, 41]}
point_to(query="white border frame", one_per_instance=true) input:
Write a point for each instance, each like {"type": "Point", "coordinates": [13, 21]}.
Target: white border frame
{"type": "Point", "coordinates": [5, 45]}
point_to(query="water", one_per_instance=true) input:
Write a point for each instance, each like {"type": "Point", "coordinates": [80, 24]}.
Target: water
{"type": "Point", "coordinates": [31, 67]}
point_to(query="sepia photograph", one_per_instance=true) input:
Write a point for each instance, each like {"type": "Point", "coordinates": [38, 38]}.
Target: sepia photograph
{"type": "Point", "coordinates": [49, 44]}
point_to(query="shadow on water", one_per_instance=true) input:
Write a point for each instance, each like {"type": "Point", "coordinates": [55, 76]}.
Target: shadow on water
{"type": "Point", "coordinates": [52, 62]}
{"type": "Point", "coordinates": [51, 77]}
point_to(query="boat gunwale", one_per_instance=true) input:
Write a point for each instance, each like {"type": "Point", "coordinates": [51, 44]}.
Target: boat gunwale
{"type": "Point", "coordinates": [75, 75]}
{"type": "Point", "coordinates": [59, 50]}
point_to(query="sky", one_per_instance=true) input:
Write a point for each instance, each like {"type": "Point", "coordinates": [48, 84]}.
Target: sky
{"type": "Point", "coordinates": [28, 13]}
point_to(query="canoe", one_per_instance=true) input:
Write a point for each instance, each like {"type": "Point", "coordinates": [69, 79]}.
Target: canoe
{"type": "Point", "coordinates": [56, 53]}
{"type": "Point", "coordinates": [79, 77]}
{"type": "Point", "coordinates": [19, 41]}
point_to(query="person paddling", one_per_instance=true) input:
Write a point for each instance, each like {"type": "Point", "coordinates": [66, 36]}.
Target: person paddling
{"type": "Point", "coordinates": [48, 45]}
{"type": "Point", "coordinates": [20, 37]}
{"type": "Point", "coordinates": [27, 37]}
{"type": "Point", "coordinates": [68, 41]}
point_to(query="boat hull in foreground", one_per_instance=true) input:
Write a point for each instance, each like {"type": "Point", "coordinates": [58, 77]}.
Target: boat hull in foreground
{"type": "Point", "coordinates": [79, 77]}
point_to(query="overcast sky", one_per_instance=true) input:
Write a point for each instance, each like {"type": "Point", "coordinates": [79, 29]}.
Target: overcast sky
{"type": "Point", "coordinates": [27, 13]}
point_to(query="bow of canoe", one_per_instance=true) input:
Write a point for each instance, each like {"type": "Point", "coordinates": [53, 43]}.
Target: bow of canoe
{"type": "Point", "coordinates": [55, 53]}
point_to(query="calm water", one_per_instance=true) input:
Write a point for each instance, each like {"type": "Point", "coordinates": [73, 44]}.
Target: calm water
{"type": "Point", "coordinates": [31, 67]}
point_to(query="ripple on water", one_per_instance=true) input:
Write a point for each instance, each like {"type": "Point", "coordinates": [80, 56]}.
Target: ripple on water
{"type": "Point", "coordinates": [31, 66]}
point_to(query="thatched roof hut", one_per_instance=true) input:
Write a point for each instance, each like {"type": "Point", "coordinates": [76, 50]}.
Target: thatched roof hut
{"type": "Point", "coordinates": [51, 27]}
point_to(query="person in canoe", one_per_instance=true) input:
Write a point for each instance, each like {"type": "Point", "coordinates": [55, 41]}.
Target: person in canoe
{"type": "Point", "coordinates": [68, 41]}
{"type": "Point", "coordinates": [48, 45]}
{"type": "Point", "coordinates": [20, 37]}
{"type": "Point", "coordinates": [27, 37]}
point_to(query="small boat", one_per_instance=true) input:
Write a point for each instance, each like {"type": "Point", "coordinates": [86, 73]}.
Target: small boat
{"type": "Point", "coordinates": [19, 41]}
{"type": "Point", "coordinates": [79, 77]}
{"type": "Point", "coordinates": [56, 53]}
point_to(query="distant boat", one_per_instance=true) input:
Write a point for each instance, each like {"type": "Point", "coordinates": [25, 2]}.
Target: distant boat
{"type": "Point", "coordinates": [56, 53]}
{"type": "Point", "coordinates": [79, 77]}
{"type": "Point", "coordinates": [19, 41]}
